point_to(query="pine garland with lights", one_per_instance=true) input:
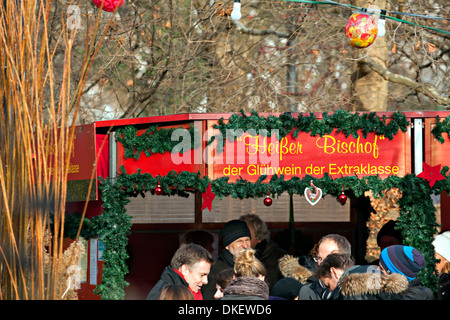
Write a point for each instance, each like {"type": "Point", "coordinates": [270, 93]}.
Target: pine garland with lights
{"type": "Point", "coordinates": [344, 121]}
{"type": "Point", "coordinates": [111, 227]}
{"type": "Point", "coordinates": [114, 227]}
{"type": "Point", "coordinates": [159, 140]}
{"type": "Point", "coordinates": [417, 212]}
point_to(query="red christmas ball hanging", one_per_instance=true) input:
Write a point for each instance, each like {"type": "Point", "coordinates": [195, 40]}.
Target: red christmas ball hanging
{"type": "Point", "coordinates": [108, 5]}
{"type": "Point", "coordinates": [158, 190]}
{"type": "Point", "coordinates": [267, 201]}
{"type": "Point", "coordinates": [342, 198]}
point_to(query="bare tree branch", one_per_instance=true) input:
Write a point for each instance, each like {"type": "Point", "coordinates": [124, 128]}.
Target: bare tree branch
{"type": "Point", "coordinates": [429, 91]}
{"type": "Point", "coordinates": [261, 32]}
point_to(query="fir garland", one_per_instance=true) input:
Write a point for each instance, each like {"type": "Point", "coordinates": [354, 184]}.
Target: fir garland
{"type": "Point", "coordinates": [417, 212]}
{"type": "Point", "coordinates": [153, 140]}
{"type": "Point", "coordinates": [114, 228]}
{"type": "Point", "coordinates": [344, 121]}
{"type": "Point", "coordinates": [89, 228]}
{"type": "Point", "coordinates": [159, 140]}
{"type": "Point", "coordinates": [441, 127]}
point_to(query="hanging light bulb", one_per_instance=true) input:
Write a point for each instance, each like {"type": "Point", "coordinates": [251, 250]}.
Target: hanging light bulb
{"type": "Point", "coordinates": [236, 13]}
{"type": "Point", "coordinates": [382, 24]}
{"type": "Point", "coordinates": [380, 19]}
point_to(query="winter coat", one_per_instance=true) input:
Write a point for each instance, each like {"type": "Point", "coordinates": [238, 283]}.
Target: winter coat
{"type": "Point", "coordinates": [368, 283]}
{"type": "Point", "coordinates": [224, 261]}
{"type": "Point", "coordinates": [315, 290]}
{"type": "Point", "coordinates": [246, 288]}
{"type": "Point", "coordinates": [268, 252]}
{"type": "Point", "coordinates": [443, 291]}
{"type": "Point", "coordinates": [168, 277]}
{"type": "Point", "coordinates": [416, 291]}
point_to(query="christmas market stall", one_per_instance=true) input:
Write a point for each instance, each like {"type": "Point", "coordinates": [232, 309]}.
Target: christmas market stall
{"type": "Point", "coordinates": [305, 175]}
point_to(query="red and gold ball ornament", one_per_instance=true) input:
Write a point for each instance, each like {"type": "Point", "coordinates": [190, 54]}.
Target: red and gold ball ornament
{"type": "Point", "coordinates": [342, 198]}
{"type": "Point", "coordinates": [108, 5]}
{"type": "Point", "coordinates": [158, 190]}
{"type": "Point", "coordinates": [267, 201]}
{"type": "Point", "coordinates": [361, 29]}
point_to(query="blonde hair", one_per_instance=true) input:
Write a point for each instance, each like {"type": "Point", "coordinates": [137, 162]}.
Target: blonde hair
{"type": "Point", "coordinates": [246, 264]}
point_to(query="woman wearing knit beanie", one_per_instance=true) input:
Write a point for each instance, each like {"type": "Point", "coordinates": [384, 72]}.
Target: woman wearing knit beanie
{"type": "Point", "coordinates": [441, 245]}
{"type": "Point", "coordinates": [407, 261]}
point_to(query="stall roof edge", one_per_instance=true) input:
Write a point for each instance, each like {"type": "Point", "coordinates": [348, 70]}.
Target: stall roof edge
{"type": "Point", "coordinates": [217, 116]}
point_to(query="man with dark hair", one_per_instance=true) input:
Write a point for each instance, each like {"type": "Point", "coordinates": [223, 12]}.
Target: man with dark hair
{"type": "Point", "coordinates": [332, 243]}
{"type": "Point", "coordinates": [332, 268]}
{"type": "Point", "coordinates": [190, 266]}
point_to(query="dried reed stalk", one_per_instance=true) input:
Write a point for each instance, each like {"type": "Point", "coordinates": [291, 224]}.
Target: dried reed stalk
{"type": "Point", "coordinates": [37, 123]}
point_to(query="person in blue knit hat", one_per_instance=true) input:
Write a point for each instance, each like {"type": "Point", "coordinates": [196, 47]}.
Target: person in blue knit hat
{"type": "Point", "coordinates": [407, 261]}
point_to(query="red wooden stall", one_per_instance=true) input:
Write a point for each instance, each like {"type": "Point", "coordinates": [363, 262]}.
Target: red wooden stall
{"type": "Point", "coordinates": [158, 225]}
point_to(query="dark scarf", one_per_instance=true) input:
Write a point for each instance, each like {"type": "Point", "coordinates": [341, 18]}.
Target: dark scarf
{"type": "Point", "coordinates": [227, 257]}
{"type": "Point", "coordinates": [247, 286]}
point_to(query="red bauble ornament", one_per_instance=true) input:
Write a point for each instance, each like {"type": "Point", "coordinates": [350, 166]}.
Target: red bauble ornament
{"type": "Point", "coordinates": [268, 201]}
{"type": "Point", "coordinates": [158, 190]}
{"type": "Point", "coordinates": [108, 5]}
{"type": "Point", "coordinates": [343, 198]}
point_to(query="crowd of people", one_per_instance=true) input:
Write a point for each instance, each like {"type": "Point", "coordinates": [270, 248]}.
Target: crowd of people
{"type": "Point", "coordinates": [251, 266]}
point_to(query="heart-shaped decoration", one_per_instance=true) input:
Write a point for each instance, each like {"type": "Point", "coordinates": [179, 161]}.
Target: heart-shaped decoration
{"type": "Point", "coordinates": [313, 196]}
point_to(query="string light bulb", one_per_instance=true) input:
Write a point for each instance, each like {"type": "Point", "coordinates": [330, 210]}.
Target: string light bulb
{"type": "Point", "coordinates": [236, 13]}
{"type": "Point", "coordinates": [381, 24]}
{"type": "Point", "coordinates": [380, 19]}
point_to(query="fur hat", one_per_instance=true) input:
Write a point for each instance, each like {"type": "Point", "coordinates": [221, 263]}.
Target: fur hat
{"type": "Point", "coordinates": [405, 260]}
{"type": "Point", "coordinates": [441, 245]}
{"type": "Point", "coordinates": [291, 268]}
{"type": "Point", "coordinates": [234, 230]}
